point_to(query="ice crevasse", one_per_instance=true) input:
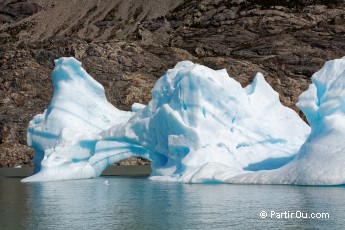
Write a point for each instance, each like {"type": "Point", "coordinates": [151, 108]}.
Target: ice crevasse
{"type": "Point", "coordinates": [200, 126]}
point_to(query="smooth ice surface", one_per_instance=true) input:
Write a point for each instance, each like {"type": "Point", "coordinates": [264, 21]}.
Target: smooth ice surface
{"type": "Point", "coordinates": [200, 126]}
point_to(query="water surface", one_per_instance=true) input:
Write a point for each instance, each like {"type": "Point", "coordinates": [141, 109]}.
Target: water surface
{"type": "Point", "coordinates": [138, 203]}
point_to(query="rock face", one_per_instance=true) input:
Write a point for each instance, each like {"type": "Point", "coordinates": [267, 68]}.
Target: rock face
{"type": "Point", "coordinates": [128, 45]}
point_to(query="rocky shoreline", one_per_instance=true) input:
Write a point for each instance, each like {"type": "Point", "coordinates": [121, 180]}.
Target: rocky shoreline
{"type": "Point", "coordinates": [128, 45]}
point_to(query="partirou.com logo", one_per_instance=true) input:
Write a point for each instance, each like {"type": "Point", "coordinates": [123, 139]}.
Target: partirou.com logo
{"type": "Point", "coordinates": [293, 215]}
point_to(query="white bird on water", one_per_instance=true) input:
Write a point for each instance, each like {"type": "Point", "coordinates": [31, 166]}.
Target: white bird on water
{"type": "Point", "coordinates": [106, 182]}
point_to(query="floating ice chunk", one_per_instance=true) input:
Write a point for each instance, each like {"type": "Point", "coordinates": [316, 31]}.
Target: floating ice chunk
{"type": "Point", "coordinates": [200, 126]}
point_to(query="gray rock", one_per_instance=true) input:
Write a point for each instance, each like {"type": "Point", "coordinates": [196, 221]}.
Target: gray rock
{"type": "Point", "coordinates": [127, 47]}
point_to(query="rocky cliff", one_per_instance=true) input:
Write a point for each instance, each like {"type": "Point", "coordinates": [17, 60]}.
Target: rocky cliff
{"type": "Point", "coordinates": [127, 45]}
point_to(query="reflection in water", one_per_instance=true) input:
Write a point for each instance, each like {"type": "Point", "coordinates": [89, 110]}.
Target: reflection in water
{"type": "Point", "coordinates": [138, 203]}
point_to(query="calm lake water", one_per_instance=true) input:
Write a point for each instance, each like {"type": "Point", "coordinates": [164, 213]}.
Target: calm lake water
{"type": "Point", "coordinates": [138, 203]}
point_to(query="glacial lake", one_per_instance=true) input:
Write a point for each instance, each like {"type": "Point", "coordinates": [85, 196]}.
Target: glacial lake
{"type": "Point", "coordinates": [139, 203]}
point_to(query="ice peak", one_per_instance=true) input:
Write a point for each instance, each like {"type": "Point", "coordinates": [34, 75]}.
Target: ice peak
{"type": "Point", "coordinates": [325, 95]}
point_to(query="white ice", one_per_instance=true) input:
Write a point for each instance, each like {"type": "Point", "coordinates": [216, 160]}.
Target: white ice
{"type": "Point", "coordinates": [321, 159]}
{"type": "Point", "coordinates": [200, 126]}
{"type": "Point", "coordinates": [64, 136]}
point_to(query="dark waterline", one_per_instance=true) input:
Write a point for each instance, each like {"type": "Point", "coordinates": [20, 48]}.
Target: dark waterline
{"type": "Point", "coordinates": [114, 170]}
{"type": "Point", "coordinates": [139, 203]}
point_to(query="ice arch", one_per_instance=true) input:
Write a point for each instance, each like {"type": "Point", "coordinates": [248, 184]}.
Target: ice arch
{"type": "Point", "coordinates": [66, 136]}
{"type": "Point", "coordinates": [197, 117]}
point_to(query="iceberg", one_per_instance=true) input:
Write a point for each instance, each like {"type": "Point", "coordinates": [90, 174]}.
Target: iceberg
{"type": "Point", "coordinates": [63, 137]}
{"type": "Point", "coordinates": [198, 116]}
{"type": "Point", "coordinates": [321, 159]}
{"type": "Point", "coordinates": [200, 126]}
